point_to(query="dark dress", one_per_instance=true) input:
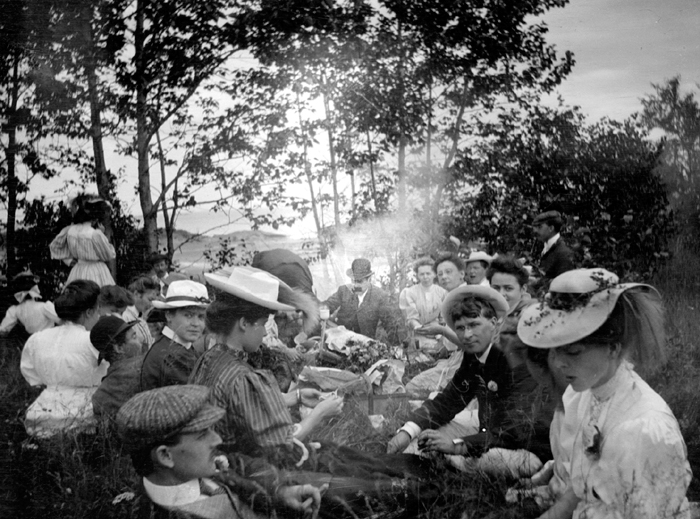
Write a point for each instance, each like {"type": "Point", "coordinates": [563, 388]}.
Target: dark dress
{"type": "Point", "coordinates": [122, 381]}
{"type": "Point", "coordinates": [167, 363]}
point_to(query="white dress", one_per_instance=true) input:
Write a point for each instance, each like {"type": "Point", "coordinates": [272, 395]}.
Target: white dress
{"type": "Point", "coordinates": [64, 360]}
{"type": "Point", "coordinates": [639, 470]}
{"type": "Point", "coordinates": [90, 247]}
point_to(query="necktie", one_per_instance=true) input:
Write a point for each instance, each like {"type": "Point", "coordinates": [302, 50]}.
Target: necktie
{"type": "Point", "coordinates": [210, 488]}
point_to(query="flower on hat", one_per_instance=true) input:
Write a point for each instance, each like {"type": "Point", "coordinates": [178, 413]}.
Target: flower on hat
{"type": "Point", "coordinates": [492, 386]}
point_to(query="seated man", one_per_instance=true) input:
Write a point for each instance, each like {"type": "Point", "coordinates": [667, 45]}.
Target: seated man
{"type": "Point", "coordinates": [505, 431]}
{"type": "Point", "coordinates": [168, 433]}
{"type": "Point", "coordinates": [171, 359]}
{"type": "Point", "coordinates": [476, 266]}
{"type": "Point", "coordinates": [361, 306]}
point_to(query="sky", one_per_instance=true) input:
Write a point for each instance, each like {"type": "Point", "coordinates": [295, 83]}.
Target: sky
{"type": "Point", "coordinates": [621, 47]}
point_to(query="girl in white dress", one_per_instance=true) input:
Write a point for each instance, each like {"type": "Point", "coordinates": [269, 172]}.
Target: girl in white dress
{"type": "Point", "coordinates": [628, 459]}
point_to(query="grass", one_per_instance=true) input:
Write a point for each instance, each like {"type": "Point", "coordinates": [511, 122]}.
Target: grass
{"type": "Point", "coordinates": [79, 476]}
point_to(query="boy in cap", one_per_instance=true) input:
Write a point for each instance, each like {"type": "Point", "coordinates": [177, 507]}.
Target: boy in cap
{"type": "Point", "coordinates": [361, 306]}
{"type": "Point", "coordinates": [505, 428]}
{"type": "Point", "coordinates": [172, 358]}
{"type": "Point", "coordinates": [168, 432]}
{"type": "Point", "coordinates": [556, 258]}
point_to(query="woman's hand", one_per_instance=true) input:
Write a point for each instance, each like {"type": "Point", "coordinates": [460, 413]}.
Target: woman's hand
{"type": "Point", "coordinates": [303, 498]}
{"type": "Point", "coordinates": [331, 406]}
{"type": "Point", "coordinates": [398, 443]}
{"type": "Point", "coordinates": [430, 329]}
{"type": "Point", "coordinates": [436, 441]}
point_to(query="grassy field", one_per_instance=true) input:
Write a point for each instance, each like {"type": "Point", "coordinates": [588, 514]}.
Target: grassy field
{"type": "Point", "coordinates": [79, 476]}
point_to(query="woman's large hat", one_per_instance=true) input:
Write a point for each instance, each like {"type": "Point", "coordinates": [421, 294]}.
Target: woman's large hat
{"type": "Point", "coordinates": [487, 294]}
{"type": "Point", "coordinates": [254, 285]}
{"type": "Point", "coordinates": [184, 293]}
{"type": "Point", "coordinates": [577, 304]}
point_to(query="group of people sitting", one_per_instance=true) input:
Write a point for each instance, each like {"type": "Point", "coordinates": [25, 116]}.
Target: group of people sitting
{"type": "Point", "coordinates": [561, 410]}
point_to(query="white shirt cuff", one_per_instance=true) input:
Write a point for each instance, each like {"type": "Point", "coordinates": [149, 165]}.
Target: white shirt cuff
{"type": "Point", "coordinates": [411, 428]}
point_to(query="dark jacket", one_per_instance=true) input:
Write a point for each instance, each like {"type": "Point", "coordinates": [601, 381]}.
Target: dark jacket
{"type": "Point", "coordinates": [506, 398]}
{"type": "Point", "coordinates": [376, 307]}
{"type": "Point", "coordinates": [123, 380]}
{"type": "Point", "coordinates": [167, 363]}
{"type": "Point", "coordinates": [557, 260]}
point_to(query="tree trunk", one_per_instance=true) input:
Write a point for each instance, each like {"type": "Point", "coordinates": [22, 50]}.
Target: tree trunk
{"type": "Point", "coordinates": [331, 147]}
{"type": "Point", "coordinates": [150, 222]}
{"type": "Point", "coordinates": [401, 180]}
{"type": "Point", "coordinates": [168, 219]}
{"type": "Point", "coordinates": [12, 268]}
{"type": "Point", "coordinates": [102, 176]}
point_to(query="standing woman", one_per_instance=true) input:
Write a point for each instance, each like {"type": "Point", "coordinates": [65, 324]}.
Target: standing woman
{"type": "Point", "coordinates": [628, 459]}
{"type": "Point", "coordinates": [64, 360]}
{"type": "Point", "coordinates": [84, 244]}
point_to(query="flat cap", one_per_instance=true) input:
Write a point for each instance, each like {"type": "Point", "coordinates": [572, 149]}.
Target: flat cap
{"type": "Point", "coordinates": [547, 216]}
{"type": "Point", "coordinates": [160, 414]}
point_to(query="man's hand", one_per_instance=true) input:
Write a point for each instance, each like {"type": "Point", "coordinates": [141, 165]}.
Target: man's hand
{"type": "Point", "coordinates": [430, 329]}
{"type": "Point", "coordinates": [398, 443]}
{"type": "Point", "coordinates": [303, 498]}
{"type": "Point", "coordinates": [310, 397]}
{"type": "Point", "coordinates": [436, 441]}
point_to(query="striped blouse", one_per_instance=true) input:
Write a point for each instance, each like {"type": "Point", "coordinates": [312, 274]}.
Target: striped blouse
{"type": "Point", "coordinates": [257, 420]}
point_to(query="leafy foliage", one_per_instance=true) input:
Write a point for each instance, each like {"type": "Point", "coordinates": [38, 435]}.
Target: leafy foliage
{"type": "Point", "coordinates": [601, 176]}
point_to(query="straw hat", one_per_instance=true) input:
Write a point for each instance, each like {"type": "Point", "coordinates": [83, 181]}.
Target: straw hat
{"type": "Point", "coordinates": [254, 285]}
{"type": "Point", "coordinates": [165, 412]}
{"type": "Point", "coordinates": [478, 256]}
{"type": "Point", "coordinates": [487, 294]}
{"type": "Point", "coordinates": [577, 304]}
{"type": "Point", "coordinates": [184, 293]}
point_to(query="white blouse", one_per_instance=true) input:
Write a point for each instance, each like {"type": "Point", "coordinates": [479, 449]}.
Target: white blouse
{"type": "Point", "coordinates": [421, 305]}
{"type": "Point", "coordinates": [639, 467]}
{"type": "Point", "coordinates": [62, 356]}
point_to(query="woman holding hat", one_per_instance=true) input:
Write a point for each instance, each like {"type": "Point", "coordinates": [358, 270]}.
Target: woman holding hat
{"type": "Point", "coordinates": [628, 458]}
{"type": "Point", "coordinates": [257, 416]}
{"type": "Point", "coordinates": [118, 344]}
{"type": "Point", "coordinates": [84, 244]}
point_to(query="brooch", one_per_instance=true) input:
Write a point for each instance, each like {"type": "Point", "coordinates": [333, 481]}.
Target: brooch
{"type": "Point", "coordinates": [592, 449]}
{"type": "Point", "coordinates": [492, 386]}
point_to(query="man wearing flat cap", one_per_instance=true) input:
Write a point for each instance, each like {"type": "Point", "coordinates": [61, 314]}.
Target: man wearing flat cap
{"type": "Point", "coordinates": [361, 306]}
{"type": "Point", "coordinates": [507, 439]}
{"type": "Point", "coordinates": [556, 257]}
{"type": "Point", "coordinates": [171, 359]}
{"type": "Point", "coordinates": [168, 433]}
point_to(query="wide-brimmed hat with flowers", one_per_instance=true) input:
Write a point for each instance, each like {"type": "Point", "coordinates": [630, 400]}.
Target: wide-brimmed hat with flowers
{"type": "Point", "coordinates": [184, 293]}
{"type": "Point", "coordinates": [489, 295]}
{"type": "Point", "coordinates": [254, 285]}
{"type": "Point", "coordinates": [577, 304]}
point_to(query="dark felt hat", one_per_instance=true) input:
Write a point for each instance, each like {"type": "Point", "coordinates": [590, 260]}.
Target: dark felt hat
{"type": "Point", "coordinates": [361, 268]}
{"type": "Point", "coordinates": [160, 414]}
{"type": "Point", "coordinates": [106, 329]}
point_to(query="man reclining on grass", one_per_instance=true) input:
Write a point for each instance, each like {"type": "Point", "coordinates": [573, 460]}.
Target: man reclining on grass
{"type": "Point", "coordinates": [510, 439]}
{"type": "Point", "coordinates": [173, 447]}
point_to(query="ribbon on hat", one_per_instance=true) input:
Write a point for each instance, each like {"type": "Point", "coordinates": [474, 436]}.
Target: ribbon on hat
{"type": "Point", "coordinates": [193, 299]}
{"type": "Point", "coordinates": [32, 292]}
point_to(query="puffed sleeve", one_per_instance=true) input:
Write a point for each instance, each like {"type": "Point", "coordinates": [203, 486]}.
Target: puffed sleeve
{"type": "Point", "coordinates": [409, 307]}
{"type": "Point", "coordinates": [9, 321]}
{"type": "Point", "coordinates": [260, 403]}
{"type": "Point", "coordinates": [103, 249]}
{"type": "Point", "coordinates": [26, 365]}
{"type": "Point", "coordinates": [643, 473]}
{"type": "Point", "coordinates": [59, 246]}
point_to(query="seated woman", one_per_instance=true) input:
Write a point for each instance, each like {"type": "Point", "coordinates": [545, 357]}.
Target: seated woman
{"type": "Point", "coordinates": [118, 344]}
{"type": "Point", "coordinates": [628, 458]}
{"type": "Point", "coordinates": [143, 291]}
{"type": "Point", "coordinates": [257, 420]}
{"type": "Point", "coordinates": [114, 300]}
{"type": "Point", "coordinates": [64, 360]}
{"type": "Point", "coordinates": [31, 313]}
{"type": "Point", "coordinates": [508, 277]}
{"type": "Point", "coordinates": [420, 303]}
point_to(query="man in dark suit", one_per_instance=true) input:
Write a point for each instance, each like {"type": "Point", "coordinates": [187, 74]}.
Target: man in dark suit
{"type": "Point", "coordinates": [508, 439]}
{"type": "Point", "coordinates": [556, 257]}
{"type": "Point", "coordinates": [361, 306]}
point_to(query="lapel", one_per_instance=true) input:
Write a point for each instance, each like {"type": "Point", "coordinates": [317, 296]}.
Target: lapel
{"type": "Point", "coordinates": [551, 249]}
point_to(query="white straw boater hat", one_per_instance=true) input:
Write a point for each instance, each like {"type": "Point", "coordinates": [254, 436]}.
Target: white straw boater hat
{"type": "Point", "coordinates": [478, 256]}
{"type": "Point", "coordinates": [492, 297]}
{"type": "Point", "coordinates": [184, 293]}
{"type": "Point", "coordinates": [577, 304]}
{"type": "Point", "coordinates": [254, 285]}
